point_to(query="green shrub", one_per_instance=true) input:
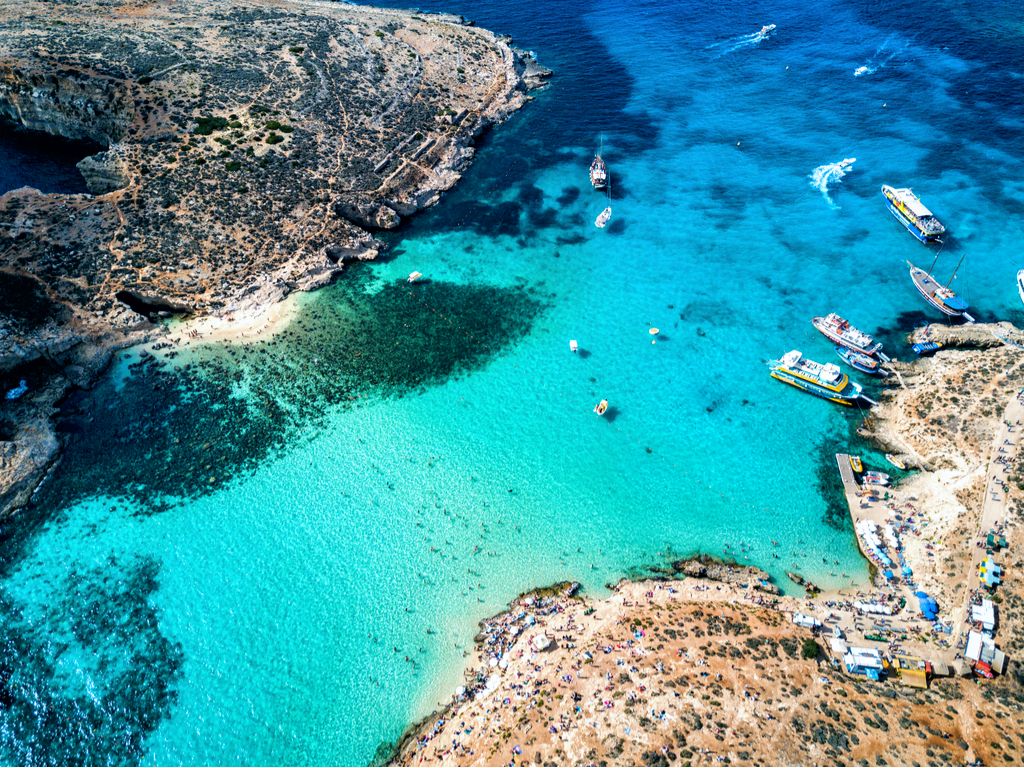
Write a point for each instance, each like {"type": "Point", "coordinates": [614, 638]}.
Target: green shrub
{"type": "Point", "coordinates": [275, 138]}
{"type": "Point", "coordinates": [272, 125]}
{"type": "Point", "coordinates": [208, 124]}
{"type": "Point", "coordinates": [809, 649]}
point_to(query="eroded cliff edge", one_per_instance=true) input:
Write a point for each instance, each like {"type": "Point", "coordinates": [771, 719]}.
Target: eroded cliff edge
{"type": "Point", "coordinates": [252, 148]}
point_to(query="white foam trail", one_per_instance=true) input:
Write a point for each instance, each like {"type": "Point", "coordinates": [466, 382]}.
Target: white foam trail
{"type": "Point", "coordinates": [824, 175]}
{"type": "Point", "coordinates": [743, 41]}
{"type": "Point", "coordinates": [881, 57]}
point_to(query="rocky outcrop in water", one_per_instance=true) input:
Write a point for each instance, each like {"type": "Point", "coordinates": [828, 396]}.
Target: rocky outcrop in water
{"type": "Point", "coordinates": [251, 149]}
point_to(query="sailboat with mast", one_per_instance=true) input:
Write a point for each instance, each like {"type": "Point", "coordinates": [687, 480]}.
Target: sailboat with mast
{"type": "Point", "coordinates": [939, 295]}
{"type": "Point", "coordinates": [598, 170]}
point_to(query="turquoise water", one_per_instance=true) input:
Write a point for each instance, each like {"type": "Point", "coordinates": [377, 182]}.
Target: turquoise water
{"type": "Point", "coordinates": [279, 553]}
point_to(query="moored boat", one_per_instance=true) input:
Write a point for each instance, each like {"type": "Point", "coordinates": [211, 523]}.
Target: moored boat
{"type": "Point", "coordinates": [603, 217]}
{"type": "Point", "coordinates": [1020, 284]}
{"type": "Point", "coordinates": [895, 461]}
{"type": "Point", "coordinates": [856, 464]}
{"type": "Point", "coordinates": [909, 211]}
{"type": "Point", "coordinates": [825, 381]}
{"type": "Point", "coordinates": [601, 407]}
{"type": "Point", "coordinates": [839, 331]}
{"type": "Point", "coordinates": [940, 296]}
{"type": "Point", "coordinates": [598, 173]}
{"type": "Point", "coordinates": [861, 362]}
{"type": "Point", "coordinates": [875, 478]}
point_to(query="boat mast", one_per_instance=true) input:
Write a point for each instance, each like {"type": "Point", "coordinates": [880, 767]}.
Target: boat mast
{"type": "Point", "coordinates": [931, 269]}
{"type": "Point", "coordinates": [956, 270]}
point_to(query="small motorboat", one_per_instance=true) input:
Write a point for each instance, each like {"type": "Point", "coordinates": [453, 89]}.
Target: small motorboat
{"type": "Point", "coordinates": [895, 461]}
{"type": "Point", "coordinates": [926, 347]}
{"type": "Point", "coordinates": [856, 464]}
{"type": "Point", "coordinates": [414, 276]}
{"type": "Point", "coordinates": [1020, 284]}
{"type": "Point", "coordinates": [603, 217]}
{"type": "Point", "coordinates": [601, 408]}
{"type": "Point", "coordinates": [876, 478]}
{"type": "Point", "coordinates": [766, 30]}
{"type": "Point", "coordinates": [573, 346]}
{"type": "Point", "coordinates": [863, 363]}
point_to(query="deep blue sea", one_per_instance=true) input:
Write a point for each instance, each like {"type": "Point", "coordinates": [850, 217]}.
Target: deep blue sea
{"type": "Point", "coordinates": [37, 160]}
{"type": "Point", "coordinates": [278, 552]}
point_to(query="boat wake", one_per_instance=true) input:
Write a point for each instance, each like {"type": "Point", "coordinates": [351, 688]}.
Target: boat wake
{"type": "Point", "coordinates": [824, 175]}
{"type": "Point", "coordinates": [743, 41]}
{"type": "Point", "coordinates": [881, 57]}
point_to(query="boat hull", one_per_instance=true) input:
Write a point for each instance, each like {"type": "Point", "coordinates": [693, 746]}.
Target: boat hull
{"type": "Point", "coordinates": [926, 285]}
{"type": "Point", "coordinates": [909, 225]}
{"type": "Point", "coordinates": [839, 340]}
{"type": "Point", "coordinates": [847, 399]}
{"type": "Point", "coordinates": [860, 365]}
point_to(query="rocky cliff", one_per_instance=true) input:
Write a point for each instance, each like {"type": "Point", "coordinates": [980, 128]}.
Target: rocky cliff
{"type": "Point", "coordinates": [251, 148]}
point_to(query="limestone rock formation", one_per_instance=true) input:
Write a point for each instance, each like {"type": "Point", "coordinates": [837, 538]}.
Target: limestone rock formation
{"type": "Point", "coordinates": [249, 149]}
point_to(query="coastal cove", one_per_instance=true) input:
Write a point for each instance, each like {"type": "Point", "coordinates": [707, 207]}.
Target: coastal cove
{"type": "Point", "coordinates": [295, 537]}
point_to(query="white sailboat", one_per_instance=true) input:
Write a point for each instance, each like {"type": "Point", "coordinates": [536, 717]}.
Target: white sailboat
{"type": "Point", "coordinates": [1020, 284]}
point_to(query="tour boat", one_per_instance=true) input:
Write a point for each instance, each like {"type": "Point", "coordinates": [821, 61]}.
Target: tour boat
{"type": "Point", "coordinates": [601, 407]}
{"type": "Point", "coordinates": [862, 363]}
{"type": "Point", "coordinates": [896, 462]}
{"type": "Point", "coordinates": [856, 464]}
{"type": "Point", "coordinates": [825, 381]}
{"type": "Point", "coordinates": [839, 331]}
{"type": "Point", "coordinates": [598, 173]}
{"type": "Point", "coordinates": [1020, 284]}
{"type": "Point", "coordinates": [942, 297]}
{"type": "Point", "coordinates": [603, 217]}
{"type": "Point", "coordinates": [909, 211]}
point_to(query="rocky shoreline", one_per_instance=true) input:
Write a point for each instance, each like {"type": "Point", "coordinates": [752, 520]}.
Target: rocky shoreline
{"type": "Point", "coordinates": [706, 664]}
{"type": "Point", "coordinates": [251, 150]}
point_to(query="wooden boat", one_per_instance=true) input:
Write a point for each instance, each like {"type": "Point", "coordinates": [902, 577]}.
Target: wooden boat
{"type": "Point", "coordinates": [942, 297]}
{"type": "Point", "coordinates": [856, 464]}
{"type": "Point", "coordinates": [860, 362]}
{"type": "Point", "coordinates": [603, 217]}
{"type": "Point", "coordinates": [895, 461]}
{"type": "Point", "coordinates": [909, 211]}
{"type": "Point", "coordinates": [601, 407]}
